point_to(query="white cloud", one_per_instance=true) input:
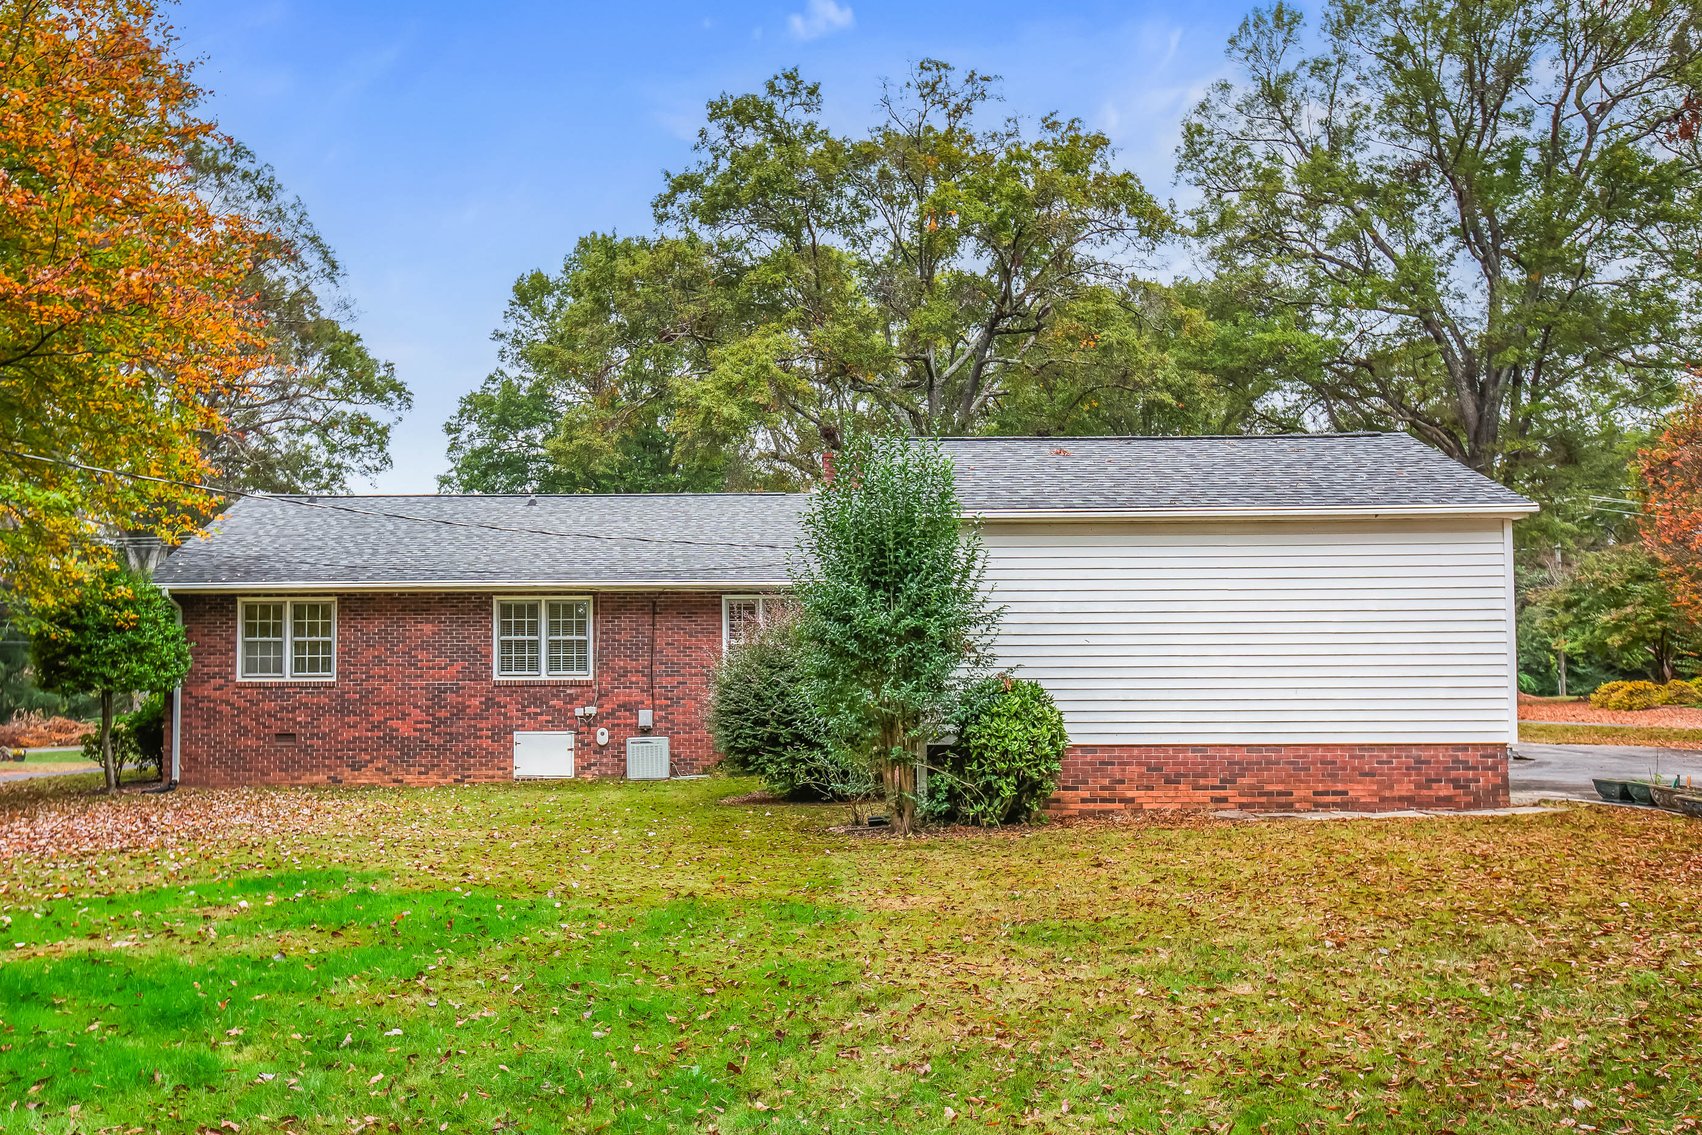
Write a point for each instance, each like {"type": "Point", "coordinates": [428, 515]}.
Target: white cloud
{"type": "Point", "coordinates": [819, 18]}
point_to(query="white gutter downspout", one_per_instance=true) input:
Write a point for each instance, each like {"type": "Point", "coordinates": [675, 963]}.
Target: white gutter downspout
{"type": "Point", "coordinates": [176, 717]}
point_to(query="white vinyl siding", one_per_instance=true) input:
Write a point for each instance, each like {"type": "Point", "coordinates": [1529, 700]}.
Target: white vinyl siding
{"type": "Point", "coordinates": [545, 637]}
{"type": "Point", "coordinates": [286, 639]}
{"type": "Point", "coordinates": [1261, 632]}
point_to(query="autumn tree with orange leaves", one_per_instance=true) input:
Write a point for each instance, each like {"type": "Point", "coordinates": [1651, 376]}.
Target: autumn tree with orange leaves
{"type": "Point", "coordinates": [126, 305]}
{"type": "Point", "coordinates": [1671, 474]}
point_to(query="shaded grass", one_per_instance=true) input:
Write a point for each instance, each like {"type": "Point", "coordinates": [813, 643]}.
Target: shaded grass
{"type": "Point", "coordinates": [640, 957]}
{"type": "Point", "coordinates": [1610, 735]}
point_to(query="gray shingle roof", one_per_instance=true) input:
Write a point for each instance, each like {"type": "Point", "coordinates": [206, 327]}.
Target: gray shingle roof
{"type": "Point", "coordinates": [742, 539]}
{"type": "Point", "coordinates": [1258, 472]}
{"type": "Point", "coordinates": [682, 538]}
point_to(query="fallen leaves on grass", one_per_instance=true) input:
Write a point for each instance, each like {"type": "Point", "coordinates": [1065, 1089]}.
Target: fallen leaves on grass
{"type": "Point", "coordinates": [1583, 713]}
{"type": "Point", "coordinates": [1163, 965]}
{"type": "Point", "coordinates": [1536, 733]}
{"type": "Point", "coordinates": [56, 827]}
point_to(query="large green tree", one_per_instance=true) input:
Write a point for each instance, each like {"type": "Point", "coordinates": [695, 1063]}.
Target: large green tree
{"type": "Point", "coordinates": [1489, 211]}
{"type": "Point", "coordinates": [319, 412]}
{"type": "Point", "coordinates": [947, 271]}
{"type": "Point", "coordinates": [586, 390]}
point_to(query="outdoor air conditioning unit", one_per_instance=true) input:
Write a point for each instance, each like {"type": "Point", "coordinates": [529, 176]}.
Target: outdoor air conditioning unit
{"type": "Point", "coordinates": [647, 758]}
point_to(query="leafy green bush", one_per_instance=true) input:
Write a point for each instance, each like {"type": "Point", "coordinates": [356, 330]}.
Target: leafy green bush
{"type": "Point", "coordinates": [1006, 762]}
{"type": "Point", "coordinates": [147, 729]}
{"type": "Point", "coordinates": [138, 737]}
{"type": "Point", "coordinates": [1627, 695]}
{"type": "Point", "coordinates": [764, 722]}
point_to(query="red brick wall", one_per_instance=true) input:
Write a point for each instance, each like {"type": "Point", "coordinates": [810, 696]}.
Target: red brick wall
{"type": "Point", "coordinates": [1278, 778]}
{"type": "Point", "coordinates": [414, 700]}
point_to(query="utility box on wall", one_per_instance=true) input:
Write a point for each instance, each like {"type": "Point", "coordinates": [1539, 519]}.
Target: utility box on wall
{"type": "Point", "coordinates": [647, 758]}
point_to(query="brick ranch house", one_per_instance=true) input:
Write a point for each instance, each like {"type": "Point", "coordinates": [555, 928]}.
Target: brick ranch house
{"type": "Point", "coordinates": [1305, 622]}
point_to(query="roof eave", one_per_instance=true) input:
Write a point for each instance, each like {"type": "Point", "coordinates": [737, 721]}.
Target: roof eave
{"type": "Point", "coordinates": [1508, 511]}
{"type": "Point", "coordinates": [230, 587]}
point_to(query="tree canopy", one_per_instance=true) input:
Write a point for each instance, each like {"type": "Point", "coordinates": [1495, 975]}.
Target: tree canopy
{"type": "Point", "coordinates": [1670, 473]}
{"type": "Point", "coordinates": [167, 311]}
{"type": "Point", "coordinates": [1615, 609]}
{"type": "Point", "coordinates": [318, 411]}
{"type": "Point", "coordinates": [1487, 212]}
{"type": "Point", "coordinates": [946, 272]}
{"type": "Point", "coordinates": [126, 311]}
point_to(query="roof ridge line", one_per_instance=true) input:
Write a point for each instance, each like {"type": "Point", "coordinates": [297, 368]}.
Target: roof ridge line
{"type": "Point", "coordinates": [1171, 437]}
{"type": "Point", "coordinates": [523, 496]}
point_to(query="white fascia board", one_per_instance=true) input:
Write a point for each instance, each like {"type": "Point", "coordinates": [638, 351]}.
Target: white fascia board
{"type": "Point", "coordinates": [494, 585]}
{"type": "Point", "coordinates": [1411, 512]}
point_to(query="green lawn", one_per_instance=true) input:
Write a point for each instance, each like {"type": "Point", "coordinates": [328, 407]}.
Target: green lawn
{"type": "Point", "coordinates": [630, 957]}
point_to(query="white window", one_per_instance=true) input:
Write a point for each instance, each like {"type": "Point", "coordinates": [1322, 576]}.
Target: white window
{"type": "Point", "coordinates": [543, 638]}
{"type": "Point", "coordinates": [743, 616]}
{"type": "Point", "coordinates": [281, 639]}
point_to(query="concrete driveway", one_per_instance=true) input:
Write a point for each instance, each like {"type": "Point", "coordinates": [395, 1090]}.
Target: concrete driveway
{"type": "Point", "coordinates": [1554, 772]}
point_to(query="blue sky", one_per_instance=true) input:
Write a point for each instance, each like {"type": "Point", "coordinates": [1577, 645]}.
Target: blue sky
{"type": "Point", "coordinates": [444, 147]}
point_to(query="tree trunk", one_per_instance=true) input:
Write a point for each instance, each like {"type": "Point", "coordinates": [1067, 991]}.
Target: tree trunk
{"type": "Point", "coordinates": [898, 776]}
{"type": "Point", "coordinates": [106, 742]}
{"type": "Point", "coordinates": [1562, 658]}
{"type": "Point", "coordinates": [904, 802]}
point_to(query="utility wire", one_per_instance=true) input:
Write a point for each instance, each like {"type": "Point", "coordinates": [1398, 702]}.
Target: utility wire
{"type": "Point", "coordinates": [384, 515]}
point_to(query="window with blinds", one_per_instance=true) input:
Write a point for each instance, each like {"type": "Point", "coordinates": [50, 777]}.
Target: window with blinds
{"type": "Point", "coordinates": [286, 638]}
{"type": "Point", "coordinates": [543, 638]}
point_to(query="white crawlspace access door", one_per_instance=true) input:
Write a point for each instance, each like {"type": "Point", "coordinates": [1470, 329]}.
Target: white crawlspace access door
{"type": "Point", "coordinates": [543, 754]}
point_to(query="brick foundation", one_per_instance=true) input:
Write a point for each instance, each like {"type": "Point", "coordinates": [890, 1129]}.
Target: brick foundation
{"type": "Point", "coordinates": [415, 702]}
{"type": "Point", "coordinates": [1276, 778]}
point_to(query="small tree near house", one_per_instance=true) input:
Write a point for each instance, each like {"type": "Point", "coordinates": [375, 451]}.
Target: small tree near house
{"type": "Point", "coordinates": [891, 608]}
{"type": "Point", "coordinates": [120, 636]}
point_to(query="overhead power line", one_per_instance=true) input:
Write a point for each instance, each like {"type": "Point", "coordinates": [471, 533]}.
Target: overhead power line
{"type": "Point", "coordinates": [382, 514]}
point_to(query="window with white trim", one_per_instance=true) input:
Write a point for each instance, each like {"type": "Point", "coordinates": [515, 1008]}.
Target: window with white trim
{"type": "Point", "coordinates": [286, 638]}
{"type": "Point", "coordinates": [543, 638]}
{"type": "Point", "coordinates": [744, 616]}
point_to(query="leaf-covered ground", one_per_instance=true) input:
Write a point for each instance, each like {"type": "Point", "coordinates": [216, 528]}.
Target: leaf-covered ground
{"type": "Point", "coordinates": [1535, 733]}
{"type": "Point", "coordinates": [1580, 711]}
{"type": "Point", "coordinates": [629, 957]}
